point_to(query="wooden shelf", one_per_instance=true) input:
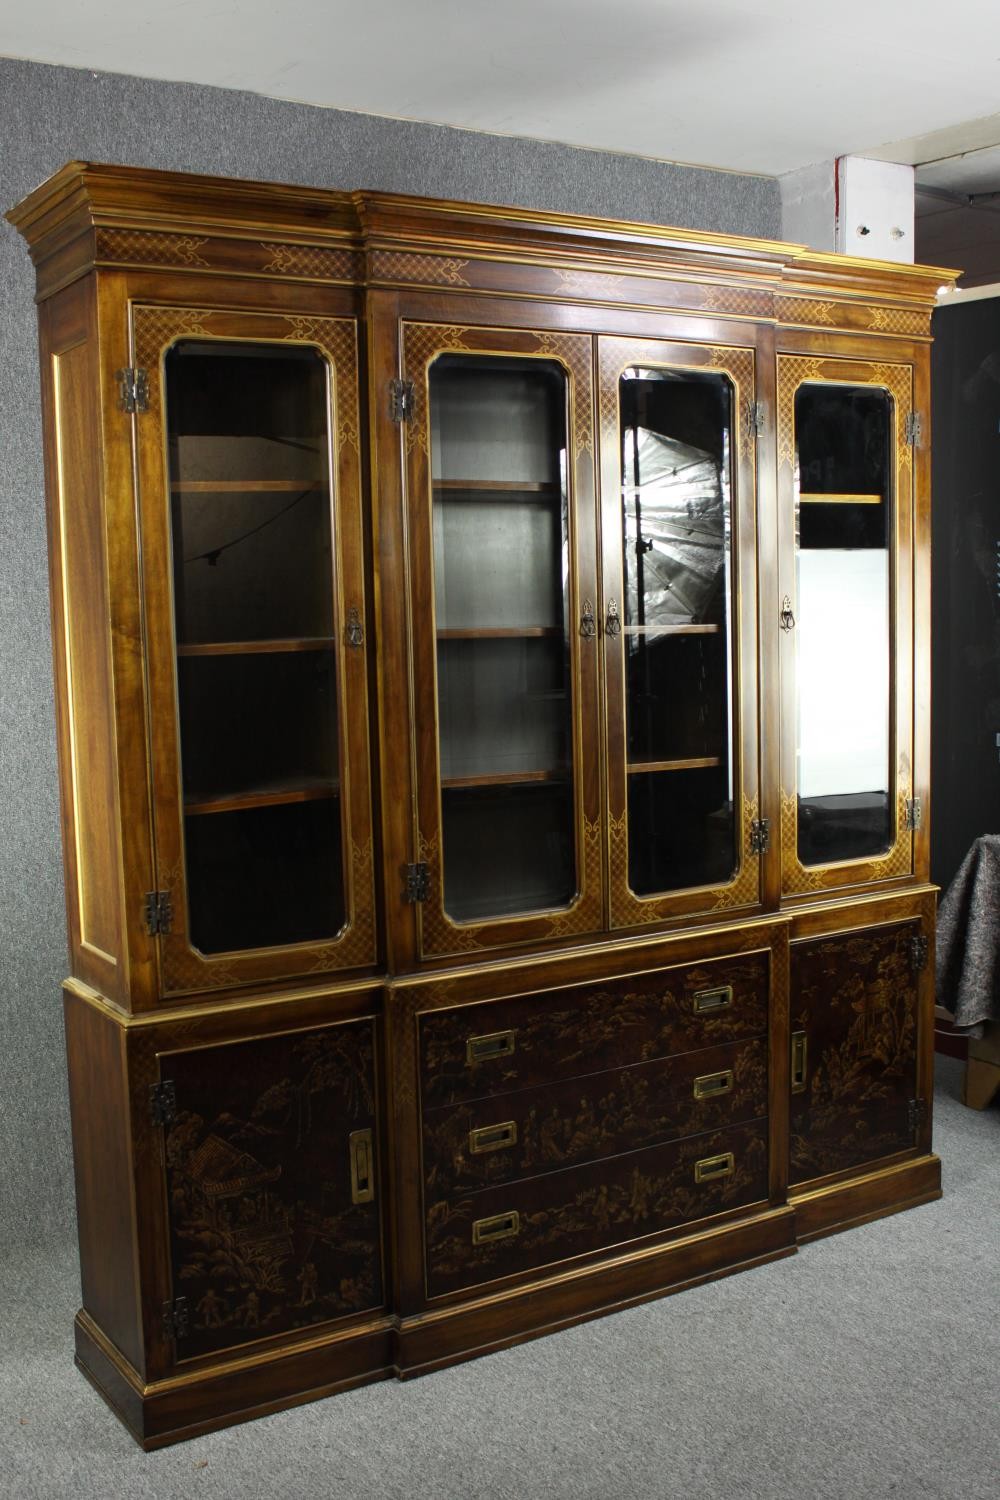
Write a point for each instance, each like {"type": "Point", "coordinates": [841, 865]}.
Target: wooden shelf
{"type": "Point", "coordinates": [270, 794]}
{"type": "Point", "coordinates": [812, 498]}
{"type": "Point", "coordinates": [245, 486]}
{"type": "Point", "coordinates": [695, 763]}
{"type": "Point", "coordinates": [672, 629]}
{"type": "Point", "coordinates": [502, 633]}
{"type": "Point", "coordinates": [256, 648]}
{"type": "Point", "coordinates": [504, 778]}
{"type": "Point", "coordinates": [497, 486]}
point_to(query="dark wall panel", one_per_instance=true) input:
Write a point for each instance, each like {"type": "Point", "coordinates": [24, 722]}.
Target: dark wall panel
{"type": "Point", "coordinates": [965, 770]}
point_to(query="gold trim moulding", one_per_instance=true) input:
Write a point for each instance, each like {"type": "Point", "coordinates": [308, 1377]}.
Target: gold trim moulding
{"type": "Point", "coordinates": [813, 498]}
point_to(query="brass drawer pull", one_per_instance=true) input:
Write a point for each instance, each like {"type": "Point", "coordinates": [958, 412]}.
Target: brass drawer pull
{"type": "Point", "coordinates": [500, 1227]}
{"type": "Point", "coordinates": [495, 1044]}
{"type": "Point", "coordinates": [716, 999]}
{"type": "Point", "coordinates": [800, 1055]}
{"type": "Point", "coordinates": [362, 1169]}
{"type": "Point", "coordinates": [711, 1085]}
{"type": "Point", "coordinates": [711, 1168]}
{"type": "Point", "coordinates": [493, 1137]}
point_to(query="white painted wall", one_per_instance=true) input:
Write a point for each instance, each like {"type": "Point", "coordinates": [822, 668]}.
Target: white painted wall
{"type": "Point", "coordinates": [851, 205]}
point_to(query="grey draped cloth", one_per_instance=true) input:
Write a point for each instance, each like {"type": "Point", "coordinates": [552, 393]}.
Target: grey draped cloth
{"type": "Point", "coordinates": [968, 939]}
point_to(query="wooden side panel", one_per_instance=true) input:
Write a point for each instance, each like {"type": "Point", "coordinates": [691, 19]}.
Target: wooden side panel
{"type": "Point", "coordinates": [95, 1047]}
{"type": "Point", "coordinates": [855, 1004]}
{"type": "Point", "coordinates": [81, 641]}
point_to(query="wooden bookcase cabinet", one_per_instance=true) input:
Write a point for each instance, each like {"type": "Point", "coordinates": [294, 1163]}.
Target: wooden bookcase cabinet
{"type": "Point", "coordinates": [475, 921]}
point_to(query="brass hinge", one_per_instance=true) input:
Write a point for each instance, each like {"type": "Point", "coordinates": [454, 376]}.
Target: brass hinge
{"type": "Point", "coordinates": [914, 429]}
{"type": "Point", "coordinates": [401, 400]}
{"type": "Point", "coordinates": [914, 812]}
{"type": "Point", "coordinates": [416, 882]}
{"type": "Point", "coordinates": [916, 1114]}
{"type": "Point", "coordinates": [163, 1102]}
{"type": "Point", "coordinates": [176, 1318]}
{"type": "Point", "coordinates": [133, 389]}
{"type": "Point", "coordinates": [755, 418]}
{"type": "Point", "coordinates": [919, 952]}
{"type": "Point", "coordinates": [760, 835]}
{"type": "Point", "coordinates": [157, 912]}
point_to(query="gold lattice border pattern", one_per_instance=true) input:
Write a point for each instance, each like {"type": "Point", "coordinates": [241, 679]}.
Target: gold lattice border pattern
{"type": "Point", "coordinates": [437, 933]}
{"type": "Point", "coordinates": [586, 914]}
{"type": "Point", "coordinates": [741, 302]}
{"type": "Point", "coordinates": [423, 342]}
{"type": "Point", "coordinates": [136, 246]}
{"type": "Point", "coordinates": [429, 270]}
{"type": "Point", "coordinates": [798, 879]}
{"type": "Point", "coordinates": [795, 369]}
{"type": "Point", "coordinates": [630, 910]}
{"type": "Point", "coordinates": [618, 354]}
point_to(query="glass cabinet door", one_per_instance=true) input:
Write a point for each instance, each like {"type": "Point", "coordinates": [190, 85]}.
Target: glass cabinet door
{"type": "Point", "coordinates": [499, 483]}
{"type": "Point", "coordinates": [680, 639]}
{"type": "Point", "coordinates": [846, 502]}
{"type": "Point", "coordinates": [262, 798]}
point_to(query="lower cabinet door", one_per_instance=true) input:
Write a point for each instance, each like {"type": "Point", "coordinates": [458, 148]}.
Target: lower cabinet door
{"type": "Point", "coordinates": [272, 1202]}
{"type": "Point", "coordinates": [854, 1016]}
{"type": "Point", "coordinates": [541, 1220]}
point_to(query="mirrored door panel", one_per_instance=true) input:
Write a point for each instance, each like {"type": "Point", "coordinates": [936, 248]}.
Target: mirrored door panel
{"type": "Point", "coordinates": [846, 509]}
{"type": "Point", "coordinates": [674, 464]}
{"type": "Point", "coordinates": [261, 834]}
{"type": "Point", "coordinates": [503, 536]}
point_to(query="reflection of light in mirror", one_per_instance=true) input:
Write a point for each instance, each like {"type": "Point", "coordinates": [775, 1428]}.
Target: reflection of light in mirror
{"type": "Point", "coordinates": [842, 638]}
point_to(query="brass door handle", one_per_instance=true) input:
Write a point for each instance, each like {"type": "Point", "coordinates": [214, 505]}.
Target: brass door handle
{"type": "Point", "coordinates": [362, 1167]}
{"type": "Point", "coordinates": [493, 1137]}
{"type": "Point", "coordinates": [499, 1227]}
{"type": "Point", "coordinates": [494, 1044]}
{"type": "Point", "coordinates": [588, 625]}
{"type": "Point", "coordinates": [711, 1168]}
{"type": "Point", "coordinates": [800, 1054]}
{"type": "Point", "coordinates": [613, 623]}
{"type": "Point", "coordinates": [786, 618]}
{"type": "Point", "coordinates": [717, 999]}
{"type": "Point", "coordinates": [354, 632]}
{"type": "Point", "coordinates": [712, 1085]}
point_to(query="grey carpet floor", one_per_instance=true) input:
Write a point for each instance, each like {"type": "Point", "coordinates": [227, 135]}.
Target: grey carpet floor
{"type": "Point", "coordinates": [865, 1366]}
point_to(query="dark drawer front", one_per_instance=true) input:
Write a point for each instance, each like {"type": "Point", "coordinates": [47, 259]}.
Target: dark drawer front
{"type": "Point", "coordinates": [472, 1146]}
{"type": "Point", "coordinates": [524, 1225]}
{"type": "Point", "coordinates": [477, 1050]}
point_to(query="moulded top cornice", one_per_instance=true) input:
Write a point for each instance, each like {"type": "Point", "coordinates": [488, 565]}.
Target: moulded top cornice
{"type": "Point", "coordinates": [86, 194]}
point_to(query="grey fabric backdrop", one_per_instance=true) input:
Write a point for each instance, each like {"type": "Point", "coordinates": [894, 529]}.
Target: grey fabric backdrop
{"type": "Point", "coordinates": [47, 117]}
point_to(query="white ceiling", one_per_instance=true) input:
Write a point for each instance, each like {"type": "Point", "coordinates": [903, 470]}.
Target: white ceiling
{"type": "Point", "coordinates": [763, 87]}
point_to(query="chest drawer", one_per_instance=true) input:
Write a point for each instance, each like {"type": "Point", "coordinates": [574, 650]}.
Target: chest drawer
{"type": "Point", "coordinates": [542, 1220]}
{"type": "Point", "coordinates": [499, 1139]}
{"type": "Point", "coordinates": [468, 1052]}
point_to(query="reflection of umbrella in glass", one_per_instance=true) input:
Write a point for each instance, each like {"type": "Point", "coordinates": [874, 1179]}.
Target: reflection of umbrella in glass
{"type": "Point", "coordinates": [675, 529]}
